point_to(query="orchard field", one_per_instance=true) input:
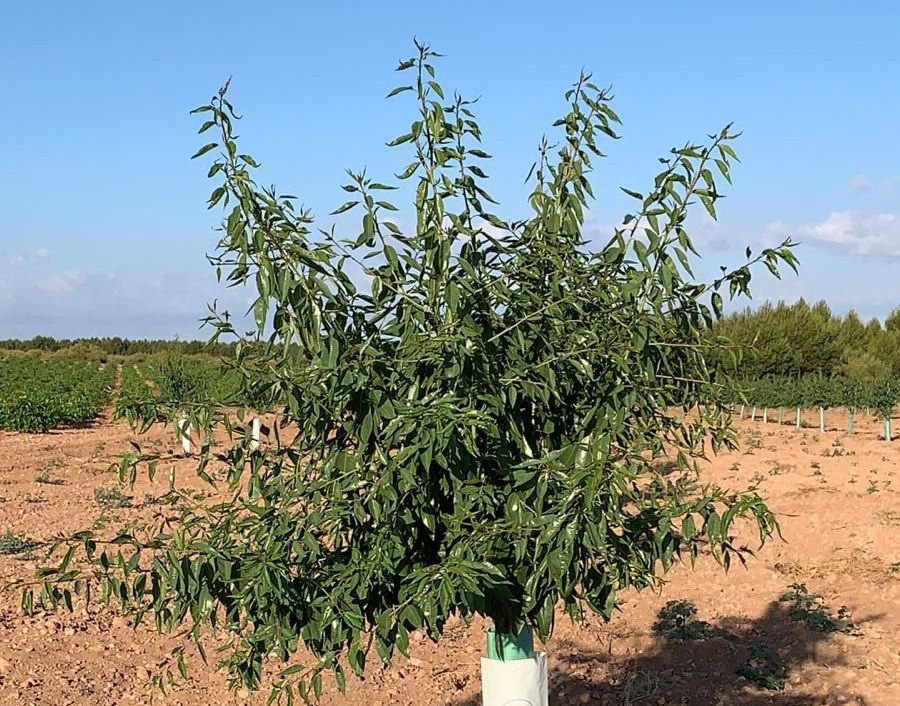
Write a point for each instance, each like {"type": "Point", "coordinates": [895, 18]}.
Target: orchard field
{"type": "Point", "coordinates": [428, 446]}
{"type": "Point", "coordinates": [40, 394]}
{"type": "Point", "coordinates": [812, 619]}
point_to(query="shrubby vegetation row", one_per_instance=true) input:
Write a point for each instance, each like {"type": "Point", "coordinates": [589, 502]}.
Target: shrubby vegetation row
{"type": "Point", "coordinates": [38, 395]}
{"type": "Point", "coordinates": [115, 345]}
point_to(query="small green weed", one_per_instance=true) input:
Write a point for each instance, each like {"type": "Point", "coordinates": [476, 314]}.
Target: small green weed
{"type": "Point", "coordinates": [752, 441]}
{"type": "Point", "coordinates": [110, 498]}
{"type": "Point", "coordinates": [675, 621]}
{"type": "Point", "coordinates": [14, 543]}
{"type": "Point", "coordinates": [763, 669]}
{"type": "Point", "coordinates": [889, 517]}
{"type": "Point", "coordinates": [165, 499]}
{"type": "Point", "coordinates": [44, 478]}
{"type": "Point", "coordinates": [810, 609]}
{"type": "Point", "coordinates": [779, 468]}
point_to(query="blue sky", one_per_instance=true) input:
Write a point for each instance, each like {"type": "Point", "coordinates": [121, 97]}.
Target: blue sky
{"type": "Point", "coordinates": [104, 226]}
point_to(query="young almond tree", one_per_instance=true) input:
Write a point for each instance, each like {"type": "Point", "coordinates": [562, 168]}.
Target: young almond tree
{"type": "Point", "coordinates": [178, 394]}
{"type": "Point", "coordinates": [884, 399]}
{"type": "Point", "coordinates": [852, 395]}
{"type": "Point", "coordinates": [467, 427]}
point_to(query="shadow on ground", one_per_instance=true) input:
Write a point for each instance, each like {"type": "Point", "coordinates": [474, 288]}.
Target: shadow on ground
{"type": "Point", "coordinates": [700, 672]}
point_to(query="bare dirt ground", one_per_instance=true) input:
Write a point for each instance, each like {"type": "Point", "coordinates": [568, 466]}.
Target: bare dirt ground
{"type": "Point", "coordinates": [836, 497]}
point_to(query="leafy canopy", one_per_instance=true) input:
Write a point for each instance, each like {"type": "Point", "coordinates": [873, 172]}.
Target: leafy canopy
{"type": "Point", "coordinates": [469, 431]}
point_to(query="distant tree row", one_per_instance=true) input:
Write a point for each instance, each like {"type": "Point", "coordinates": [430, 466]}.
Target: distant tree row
{"type": "Point", "coordinates": [117, 346]}
{"type": "Point", "coordinates": [778, 394]}
{"type": "Point", "coordinates": [798, 340]}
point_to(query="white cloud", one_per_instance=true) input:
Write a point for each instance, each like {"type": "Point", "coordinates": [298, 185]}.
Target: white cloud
{"type": "Point", "coordinates": [859, 232]}
{"type": "Point", "coordinates": [16, 258]}
{"type": "Point", "coordinates": [888, 184]}
{"type": "Point", "coordinates": [82, 302]}
{"type": "Point", "coordinates": [859, 183]}
{"type": "Point", "coordinates": [883, 187]}
{"type": "Point", "coordinates": [707, 233]}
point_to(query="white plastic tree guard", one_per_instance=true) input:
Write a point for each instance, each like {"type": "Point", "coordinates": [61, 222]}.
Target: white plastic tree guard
{"type": "Point", "coordinates": [521, 682]}
{"type": "Point", "coordinates": [185, 433]}
{"type": "Point", "coordinates": [254, 433]}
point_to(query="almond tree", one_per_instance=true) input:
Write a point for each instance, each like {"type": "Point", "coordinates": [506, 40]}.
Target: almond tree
{"type": "Point", "coordinates": [852, 396]}
{"type": "Point", "coordinates": [884, 399]}
{"type": "Point", "coordinates": [471, 430]}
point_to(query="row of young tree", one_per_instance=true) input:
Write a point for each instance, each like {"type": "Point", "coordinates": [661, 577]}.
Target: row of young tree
{"type": "Point", "coordinates": [798, 339]}
{"type": "Point", "coordinates": [175, 388]}
{"type": "Point", "coordinates": [778, 394]}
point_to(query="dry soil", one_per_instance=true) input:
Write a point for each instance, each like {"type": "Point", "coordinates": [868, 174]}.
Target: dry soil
{"type": "Point", "coordinates": [836, 497]}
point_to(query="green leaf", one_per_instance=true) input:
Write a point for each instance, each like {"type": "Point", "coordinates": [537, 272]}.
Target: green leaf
{"type": "Point", "coordinates": [399, 89]}
{"type": "Point", "coordinates": [345, 207]}
{"type": "Point", "coordinates": [203, 150]}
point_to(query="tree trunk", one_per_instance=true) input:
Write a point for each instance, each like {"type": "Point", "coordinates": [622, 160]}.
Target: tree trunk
{"type": "Point", "coordinates": [887, 428]}
{"type": "Point", "coordinates": [780, 415]}
{"type": "Point", "coordinates": [798, 417]}
{"type": "Point", "coordinates": [821, 419]}
{"type": "Point", "coordinates": [765, 415]}
{"type": "Point", "coordinates": [850, 422]}
{"type": "Point", "coordinates": [742, 411]}
{"type": "Point", "coordinates": [753, 415]}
